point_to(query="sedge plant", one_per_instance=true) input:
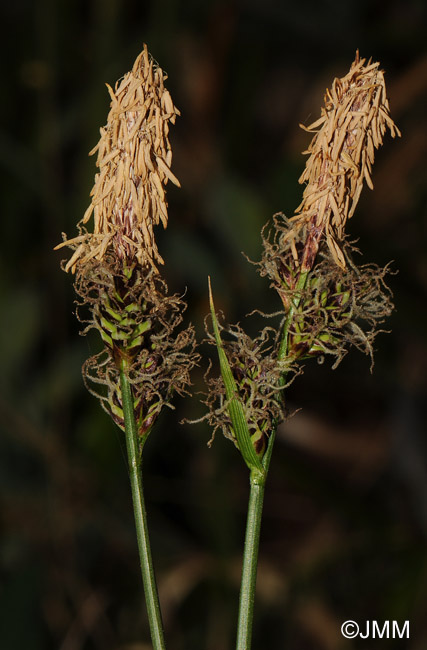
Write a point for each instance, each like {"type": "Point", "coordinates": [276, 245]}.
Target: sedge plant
{"type": "Point", "coordinates": [146, 355]}
{"type": "Point", "coordinates": [328, 302]}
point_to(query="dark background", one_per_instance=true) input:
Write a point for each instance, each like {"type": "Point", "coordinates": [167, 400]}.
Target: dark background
{"type": "Point", "coordinates": [345, 523]}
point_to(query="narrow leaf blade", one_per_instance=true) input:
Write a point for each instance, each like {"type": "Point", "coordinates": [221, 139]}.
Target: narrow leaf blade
{"type": "Point", "coordinates": [235, 407]}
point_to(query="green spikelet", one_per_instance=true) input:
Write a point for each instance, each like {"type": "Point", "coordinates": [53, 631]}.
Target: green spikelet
{"type": "Point", "coordinates": [338, 307]}
{"type": "Point", "coordinates": [137, 320]}
{"type": "Point", "coordinates": [243, 401]}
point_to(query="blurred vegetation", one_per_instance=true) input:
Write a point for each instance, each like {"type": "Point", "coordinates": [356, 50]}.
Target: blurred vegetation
{"type": "Point", "coordinates": [344, 533]}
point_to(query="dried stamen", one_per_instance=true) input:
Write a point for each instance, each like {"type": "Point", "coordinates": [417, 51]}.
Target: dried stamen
{"type": "Point", "coordinates": [353, 122]}
{"type": "Point", "coordinates": [134, 159]}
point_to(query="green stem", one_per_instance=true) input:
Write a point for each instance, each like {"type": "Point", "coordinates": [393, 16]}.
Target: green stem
{"type": "Point", "coordinates": [250, 553]}
{"type": "Point", "coordinates": [250, 562]}
{"type": "Point", "coordinates": [255, 506]}
{"type": "Point", "coordinates": [283, 349]}
{"type": "Point", "coordinates": [134, 461]}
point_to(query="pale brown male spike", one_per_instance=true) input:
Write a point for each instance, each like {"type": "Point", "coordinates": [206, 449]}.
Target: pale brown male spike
{"type": "Point", "coordinates": [134, 160]}
{"type": "Point", "coordinates": [353, 122]}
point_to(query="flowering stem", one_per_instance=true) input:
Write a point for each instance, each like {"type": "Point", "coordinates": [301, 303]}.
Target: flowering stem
{"type": "Point", "coordinates": [250, 553]}
{"type": "Point", "coordinates": [250, 562]}
{"type": "Point", "coordinates": [134, 461]}
{"type": "Point", "coordinates": [255, 507]}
